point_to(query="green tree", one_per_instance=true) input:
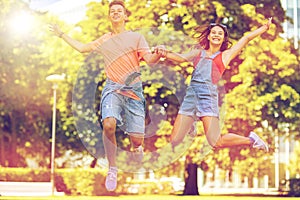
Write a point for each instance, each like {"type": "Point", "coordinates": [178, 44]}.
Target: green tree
{"type": "Point", "coordinates": [271, 102]}
{"type": "Point", "coordinates": [26, 60]}
{"type": "Point", "coordinates": [23, 104]}
{"type": "Point", "coordinates": [180, 17]}
{"type": "Point", "coordinates": [261, 86]}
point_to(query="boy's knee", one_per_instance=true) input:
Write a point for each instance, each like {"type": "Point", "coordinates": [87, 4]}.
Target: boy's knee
{"type": "Point", "coordinates": [109, 126]}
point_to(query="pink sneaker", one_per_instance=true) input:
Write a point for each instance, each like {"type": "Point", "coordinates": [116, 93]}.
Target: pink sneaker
{"type": "Point", "coordinates": [111, 179]}
{"type": "Point", "coordinates": [258, 143]}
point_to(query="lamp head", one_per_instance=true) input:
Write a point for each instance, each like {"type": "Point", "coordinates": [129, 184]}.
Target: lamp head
{"type": "Point", "coordinates": [56, 78]}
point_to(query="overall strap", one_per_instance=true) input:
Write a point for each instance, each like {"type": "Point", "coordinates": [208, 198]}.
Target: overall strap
{"type": "Point", "coordinates": [218, 68]}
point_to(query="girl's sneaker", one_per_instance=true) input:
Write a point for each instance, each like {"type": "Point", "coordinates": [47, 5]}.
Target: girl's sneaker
{"type": "Point", "coordinates": [258, 143]}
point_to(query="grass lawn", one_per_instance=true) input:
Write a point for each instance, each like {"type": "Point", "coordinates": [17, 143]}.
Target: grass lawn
{"type": "Point", "coordinates": [147, 197]}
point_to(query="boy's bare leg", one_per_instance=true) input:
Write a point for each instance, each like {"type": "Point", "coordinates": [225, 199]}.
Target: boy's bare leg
{"type": "Point", "coordinates": [110, 147]}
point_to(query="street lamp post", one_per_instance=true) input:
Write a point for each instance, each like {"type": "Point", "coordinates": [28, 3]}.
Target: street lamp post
{"type": "Point", "coordinates": [55, 79]}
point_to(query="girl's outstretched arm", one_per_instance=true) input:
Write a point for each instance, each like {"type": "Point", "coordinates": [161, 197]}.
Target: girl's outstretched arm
{"type": "Point", "coordinates": [231, 53]}
{"type": "Point", "coordinates": [176, 57]}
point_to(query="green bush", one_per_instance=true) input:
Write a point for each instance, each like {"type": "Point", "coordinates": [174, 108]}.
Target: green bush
{"type": "Point", "coordinates": [88, 182]}
{"type": "Point", "coordinates": [149, 187]}
{"type": "Point", "coordinates": [85, 182]}
{"type": "Point", "coordinates": [24, 175]}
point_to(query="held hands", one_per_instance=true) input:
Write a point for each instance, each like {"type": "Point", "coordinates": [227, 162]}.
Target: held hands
{"type": "Point", "coordinates": [56, 30]}
{"type": "Point", "coordinates": [268, 24]}
{"type": "Point", "coordinates": [160, 50]}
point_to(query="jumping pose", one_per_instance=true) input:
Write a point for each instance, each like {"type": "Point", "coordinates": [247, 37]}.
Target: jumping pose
{"type": "Point", "coordinates": [210, 58]}
{"type": "Point", "coordinates": [122, 51]}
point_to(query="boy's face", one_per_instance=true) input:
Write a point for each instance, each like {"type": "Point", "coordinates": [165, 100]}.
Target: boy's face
{"type": "Point", "coordinates": [117, 13]}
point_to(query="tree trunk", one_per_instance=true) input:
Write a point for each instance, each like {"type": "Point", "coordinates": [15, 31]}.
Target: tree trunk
{"type": "Point", "coordinates": [2, 149]}
{"type": "Point", "coordinates": [93, 163]}
{"type": "Point", "coordinates": [191, 186]}
{"type": "Point", "coordinates": [5, 137]}
{"type": "Point", "coordinates": [13, 158]}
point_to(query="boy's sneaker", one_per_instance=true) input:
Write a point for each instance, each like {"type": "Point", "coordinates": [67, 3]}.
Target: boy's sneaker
{"type": "Point", "coordinates": [138, 154]}
{"type": "Point", "coordinates": [111, 179]}
{"type": "Point", "coordinates": [258, 143]}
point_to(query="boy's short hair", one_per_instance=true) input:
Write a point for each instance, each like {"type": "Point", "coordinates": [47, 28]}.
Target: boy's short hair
{"type": "Point", "coordinates": [118, 2]}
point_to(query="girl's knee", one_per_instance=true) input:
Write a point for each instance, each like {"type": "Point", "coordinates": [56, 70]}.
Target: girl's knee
{"type": "Point", "coordinates": [216, 143]}
{"type": "Point", "coordinates": [219, 143]}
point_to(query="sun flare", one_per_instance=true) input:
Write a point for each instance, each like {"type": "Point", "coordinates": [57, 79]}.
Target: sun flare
{"type": "Point", "coordinates": [22, 23]}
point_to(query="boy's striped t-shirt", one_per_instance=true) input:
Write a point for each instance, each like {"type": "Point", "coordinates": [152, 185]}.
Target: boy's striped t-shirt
{"type": "Point", "coordinates": [122, 53]}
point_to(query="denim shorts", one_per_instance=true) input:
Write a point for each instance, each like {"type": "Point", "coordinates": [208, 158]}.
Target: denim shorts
{"type": "Point", "coordinates": [129, 113]}
{"type": "Point", "coordinates": [200, 100]}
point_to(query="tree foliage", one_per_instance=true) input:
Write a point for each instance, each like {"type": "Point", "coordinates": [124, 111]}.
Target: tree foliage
{"type": "Point", "coordinates": [24, 109]}
{"type": "Point", "coordinates": [261, 85]}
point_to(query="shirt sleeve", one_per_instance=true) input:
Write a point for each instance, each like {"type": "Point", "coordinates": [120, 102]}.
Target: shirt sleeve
{"type": "Point", "coordinates": [143, 47]}
{"type": "Point", "coordinates": [96, 43]}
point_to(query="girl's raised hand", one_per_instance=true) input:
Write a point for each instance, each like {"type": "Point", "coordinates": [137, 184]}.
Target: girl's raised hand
{"type": "Point", "coordinates": [268, 24]}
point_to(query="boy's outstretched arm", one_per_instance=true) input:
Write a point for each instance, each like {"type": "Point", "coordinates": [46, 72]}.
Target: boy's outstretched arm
{"type": "Point", "coordinates": [80, 47]}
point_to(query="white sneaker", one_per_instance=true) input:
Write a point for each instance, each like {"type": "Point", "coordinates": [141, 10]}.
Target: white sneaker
{"type": "Point", "coordinates": [111, 179]}
{"type": "Point", "coordinates": [138, 154]}
{"type": "Point", "coordinates": [258, 143]}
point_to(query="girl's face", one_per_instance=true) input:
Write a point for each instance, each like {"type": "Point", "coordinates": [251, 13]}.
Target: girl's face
{"type": "Point", "coordinates": [216, 35]}
{"type": "Point", "coordinates": [117, 13]}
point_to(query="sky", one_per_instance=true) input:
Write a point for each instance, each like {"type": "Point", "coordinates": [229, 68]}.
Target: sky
{"type": "Point", "coordinates": [70, 11]}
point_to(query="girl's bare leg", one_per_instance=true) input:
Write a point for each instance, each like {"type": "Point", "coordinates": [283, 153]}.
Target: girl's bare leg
{"type": "Point", "coordinates": [215, 139]}
{"type": "Point", "coordinates": [182, 126]}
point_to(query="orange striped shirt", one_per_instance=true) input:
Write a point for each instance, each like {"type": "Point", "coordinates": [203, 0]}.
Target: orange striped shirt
{"type": "Point", "coordinates": [122, 53]}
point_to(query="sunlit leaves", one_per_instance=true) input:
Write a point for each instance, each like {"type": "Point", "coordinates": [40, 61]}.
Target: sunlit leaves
{"type": "Point", "coordinates": [265, 75]}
